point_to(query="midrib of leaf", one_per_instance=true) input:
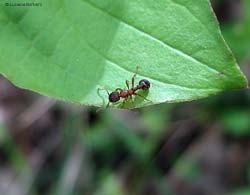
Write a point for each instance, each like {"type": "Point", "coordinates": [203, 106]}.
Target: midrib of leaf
{"type": "Point", "coordinates": [107, 59]}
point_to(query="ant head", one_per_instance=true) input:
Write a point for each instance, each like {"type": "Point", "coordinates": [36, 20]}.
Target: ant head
{"type": "Point", "coordinates": [145, 84]}
{"type": "Point", "coordinates": [114, 96]}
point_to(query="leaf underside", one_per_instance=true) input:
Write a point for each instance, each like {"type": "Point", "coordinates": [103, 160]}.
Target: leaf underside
{"type": "Point", "coordinates": [67, 49]}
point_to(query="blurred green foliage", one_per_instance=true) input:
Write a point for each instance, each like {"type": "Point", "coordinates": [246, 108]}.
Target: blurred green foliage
{"type": "Point", "coordinates": [241, 192]}
{"type": "Point", "coordinates": [236, 121]}
{"type": "Point", "coordinates": [2, 133]}
{"type": "Point", "coordinates": [16, 158]}
{"type": "Point", "coordinates": [109, 185]}
{"type": "Point", "coordinates": [237, 33]}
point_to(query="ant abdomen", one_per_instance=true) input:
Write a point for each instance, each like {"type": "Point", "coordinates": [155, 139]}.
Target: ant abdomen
{"type": "Point", "coordinates": [144, 84]}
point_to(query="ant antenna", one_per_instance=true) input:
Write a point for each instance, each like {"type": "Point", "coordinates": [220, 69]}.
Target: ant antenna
{"type": "Point", "coordinates": [99, 109]}
{"type": "Point", "coordinates": [103, 89]}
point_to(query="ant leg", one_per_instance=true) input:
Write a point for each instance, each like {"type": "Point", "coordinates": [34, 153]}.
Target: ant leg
{"type": "Point", "coordinates": [107, 105]}
{"type": "Point", "coordinates": [99, 109]}
{"type": "Point", "coordinates": [133, 78]}
{"type": "Point", "coordinates": [119, 89]}
{"type": "Point", "coordinates": [132, 101]}
{"type": "Point", "coordinates": [123, 103]}
{"type": "Point", "coordinates": [127, 83]}
{"type": "Point", "coordinates": [137, 94]}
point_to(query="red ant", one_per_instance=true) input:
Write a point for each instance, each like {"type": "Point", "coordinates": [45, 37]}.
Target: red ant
{"type": "Point", "coordinates": [115, 96]}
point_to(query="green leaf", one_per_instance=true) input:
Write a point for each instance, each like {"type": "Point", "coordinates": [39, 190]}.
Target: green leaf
{"type": "Point", "coordinates": [67, 49]}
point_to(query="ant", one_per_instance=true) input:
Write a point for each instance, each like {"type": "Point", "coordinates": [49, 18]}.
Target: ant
{"type": "Point", "coordinates": [115, 96]}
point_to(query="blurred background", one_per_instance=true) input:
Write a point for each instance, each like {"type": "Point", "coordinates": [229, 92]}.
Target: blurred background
{"type": "Point", "coordinates": [197, 148]}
